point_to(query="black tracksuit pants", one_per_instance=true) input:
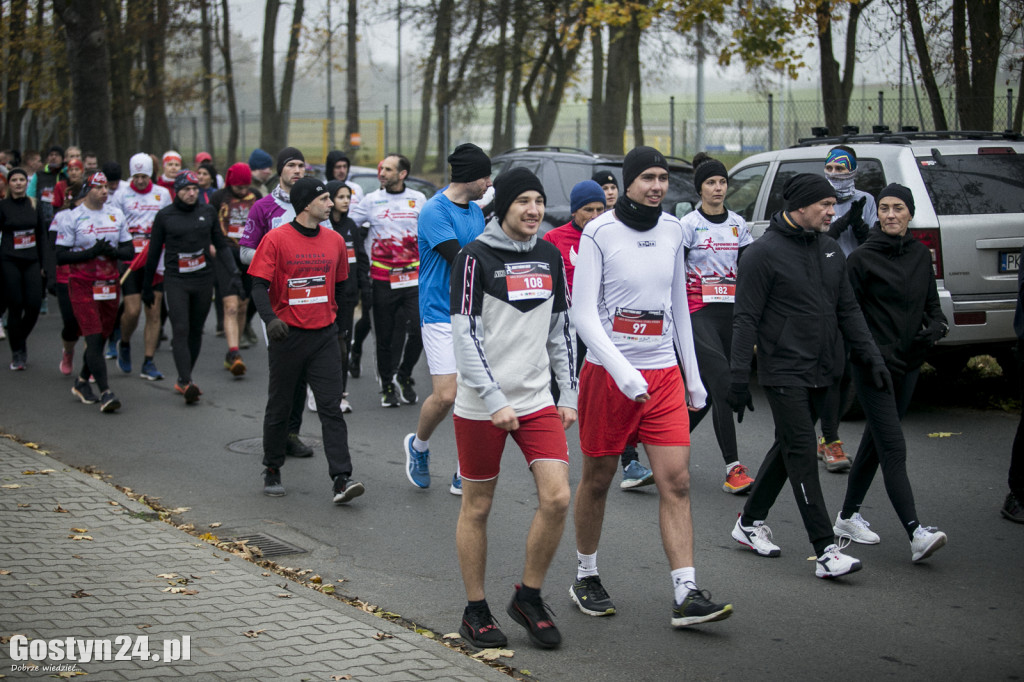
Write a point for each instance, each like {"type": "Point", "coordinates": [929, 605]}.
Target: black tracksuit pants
{"type": "Point", "coordinates": [188, 303]}
{"type": "Point", "coordinates": [387, 304]}
{"type": "Point", "coordinates": [793, 455]}
{"type": "Point", "coordinates": [313, 355]}
{"type": "Point", "coordinates": [712, 342]}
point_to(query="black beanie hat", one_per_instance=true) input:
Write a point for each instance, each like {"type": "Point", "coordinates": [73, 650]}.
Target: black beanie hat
{"type": "Point", "coordinates": [288, 154]}
{"type": "Point", "coordinates": [604, 177]}
{"type": "Point", "coordinates": [706, 167]}
{"type": "Point", "coordinates": [637, 161]}
{"type": "Point", "coordinates": [806, 189]}
{"type": "Point", "coordinates": [304, 191]}
{"type": "Point", "coordinates": [469, 163]}
{"type": "Point", "coordinates": [112, 169]}
{"type": "Point", "coordinates": [16, 171]}
{"type": "Point", "coordinates": [509, 185]}
{"type": "Point", "coordinates": [900, 192]}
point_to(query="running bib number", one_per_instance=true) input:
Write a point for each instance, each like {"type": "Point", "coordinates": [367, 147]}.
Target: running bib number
{"type": "Point", "coordinates": [47, 195]}
{"type": "Point", "coordinates": [104, 291]}
{"type": "Point", "coordinates": [404, 277]}
{"type": "Point", "coordinates": [24, 239]}
{"type": "Point", "coordinates": [351, 253]}
{"type": "Point", "coordinates": [235, 231]}
{"type": "Point", "coordinates": [307, 290]}
{"type": "Point", "coordinates": [139, 243]}
{"type": "Point", "coordinates": [526, 281]}
{"type": "Point", "coordinates": [638, 326]}
{"type": "Point", "coordinates": [718, 289]}
{"type": "Point", "coordinates": [191, 262]}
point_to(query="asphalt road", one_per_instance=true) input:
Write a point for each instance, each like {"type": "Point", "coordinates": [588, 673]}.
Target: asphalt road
{"type": "Point", "coordinates": [957, 616]}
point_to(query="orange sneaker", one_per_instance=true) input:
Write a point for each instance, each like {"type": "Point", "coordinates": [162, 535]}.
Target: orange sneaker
{"type": "Point", "coordinates": [190, 391]}
{"type": "Point", "coordinates": [737, 481]}
{"type": "Point", "coordinates": [833, 456]}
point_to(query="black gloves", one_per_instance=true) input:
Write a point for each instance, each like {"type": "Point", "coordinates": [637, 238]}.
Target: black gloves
{"type": "Point", "coordinates": [930, 334]}
{"type": "Point", "coordinates": [881, 377]}
{"type": "Point", "coordinates": [277, 329]}
{"type": "Point", "coordinates": [856, 219]}
{"type": "Point", "coordinates": [739, 399]}
{"type": "Point", "coordinates": [148, 297]}
{"type": "Point", "coordinates": [105, 248]}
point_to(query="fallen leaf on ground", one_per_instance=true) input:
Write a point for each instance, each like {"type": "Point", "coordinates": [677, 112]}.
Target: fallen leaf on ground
{"type": "Point", "coordinates": [5, 572]}
{"type": "Point", "coordinates": [79, 530]}
{"type": "Point", "coordinates": [253, 633]}
{"type": "Point", "coordinates": [425, 632]}
{"type": "Point", "coordinates": [265, 574]}
{"type": "Point", "coordinates": [144, 626]}
{"type": "Point", "coordinates": [187, 526]}
{"type": "Point", "coordinates": [216, 525]}
{"type": "Point", "coordinates": [113, 504]}
{"type": "Point", "coordinates": [341, 677]}
{"type": "Point", "coordinates": [382, 635]}
{"type": "Point", "coordinates": [32, 445]}
{"type": "Point", "coordinates": [327, 589]}
{"type": "Point", "coordinates": [22, 506]}
{"type": "Point", "coordinates": [494, 654]}
{"type": "Point", "coordinates": [167, 576]}
{"type": "Point", "coordinates": [283, 595]}
{"type": "Point", "coordinates": [80, 537]}
{"type": "Point", "coordinates": [47, 471]}
{"type": "Point", "coordinates": [79, 594]}
{"type": "Point", "coordinates": [29, 472]}
{"type": "Point", "coordinates": [316, 579]}
{"type": "Point", "coordinates": [12, 486]}
{"type": "Point", "coordinates": [61, 510]}
{"type": "Point", "coordinates": [179, 590]}
{"type": "Point", "coordinates": [943, 434]}
{"type": "Point", "coordinates": [451, 635]}
{"type": "Point", "coordinates": [179, 510]}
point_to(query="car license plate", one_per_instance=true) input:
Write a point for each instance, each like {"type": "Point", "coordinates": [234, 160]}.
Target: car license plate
{"type": "Point", "coordinates": [1009, 261]}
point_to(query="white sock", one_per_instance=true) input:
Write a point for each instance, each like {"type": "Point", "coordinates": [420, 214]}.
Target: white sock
{"type": "Point", "coordinates": [730, 467]}
{"type": "Point", "coordinates": [683, 580]}
{"type": "Point", "coordinates": [586, 564]}
{"type": "Point", "coordinates": [420, 445]}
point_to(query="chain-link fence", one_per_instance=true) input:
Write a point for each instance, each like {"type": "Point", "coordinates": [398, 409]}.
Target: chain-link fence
{"type": "Point", "coordinates": [730, 129]}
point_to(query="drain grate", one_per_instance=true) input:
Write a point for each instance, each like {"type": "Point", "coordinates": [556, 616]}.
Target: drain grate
{"type": "Point", "coordinates": [268, 544]}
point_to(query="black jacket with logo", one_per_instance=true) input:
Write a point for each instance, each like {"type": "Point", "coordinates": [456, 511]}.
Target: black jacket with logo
{"type": "Point", "coordinates": [795, 302]}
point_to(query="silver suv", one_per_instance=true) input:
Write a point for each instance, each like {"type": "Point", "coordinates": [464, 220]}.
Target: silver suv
{"type": "Point", "coordinates": [969, 193]}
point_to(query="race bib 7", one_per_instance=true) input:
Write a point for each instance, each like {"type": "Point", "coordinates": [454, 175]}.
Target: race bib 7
{"type": "Point", "coordinates": [307, 290]}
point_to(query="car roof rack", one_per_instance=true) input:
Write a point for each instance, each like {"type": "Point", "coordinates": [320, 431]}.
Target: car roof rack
{"type": "Point", "coordinates": [549, 148]}
{"type": "Point", "coordinates": [906, 137]}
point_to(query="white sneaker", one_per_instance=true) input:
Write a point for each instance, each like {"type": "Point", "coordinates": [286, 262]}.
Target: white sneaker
{"type": "Point", "coordinates": [833, 563]}
{"type": "Point", "coordinates": [857, 528]}
{"type": "Point", "coordinates": [346, 407]}
{"type": "Point", "coordinates": [310, 400]}
{"type": "Point", "coordinates": [927, 541]}
{"type": "Point", "coordinates": [757, 537]}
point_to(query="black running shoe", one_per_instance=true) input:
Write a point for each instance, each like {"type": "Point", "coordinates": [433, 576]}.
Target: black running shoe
{"type": "Point", "coordinates": [389, 396]}
{"type": "Point", "coordinates": [535, 617]}
{"type": "Point", "coordinates": [272, 482]}
{"type": "Point", "coordinates": [346, 490]}
{"type": "Point", "coordinates": [697, 607]}
{"type": "Point", "coordinates": [405, 390]}
{"type": "Point", "coordinates": [480, 629]}
{"type": "Point", "coordinates": [590, 595]}
{"type": "Point", "coordinates": [296, 448]}
{"type": "Point", "coordinates": [355, 361]}
{"type": "Point", "coordinates": [83, 391]}
{"type": "Point", "coordinates": [109, 402]}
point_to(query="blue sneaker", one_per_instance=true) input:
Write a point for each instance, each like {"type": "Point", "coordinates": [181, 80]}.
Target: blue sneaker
{"type": "Point", "coordinates": [112, 342]}
{"type": "Point", "coordinates": [417, 464]}
{"type": "Point", "coordinates": [456, 487]}
{"type": "Point", "coordinates": [636, 475]}
{"type": "Point", "coordinates": [124, 358]}
{"type": "Point", "coordinates": [150, 372]}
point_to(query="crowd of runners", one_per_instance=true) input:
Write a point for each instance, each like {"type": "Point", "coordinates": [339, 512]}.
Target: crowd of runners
{"type": "Point", "coordinates": [627, 321]}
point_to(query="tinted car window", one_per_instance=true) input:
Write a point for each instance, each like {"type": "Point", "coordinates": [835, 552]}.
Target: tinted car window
{"type": "Point", "coordinates": [744, 187]}
{"type": "Point", "coordinates": [975, 183]}
{"type": "Point", "coordinates": [870, 179]}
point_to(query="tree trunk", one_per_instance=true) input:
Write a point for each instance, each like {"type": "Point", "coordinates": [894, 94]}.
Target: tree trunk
{"type": "Point", "coordinates": [925, 63]}
{"type": "Point", "coordinates": [974, 66]}
{"type": "Point", "coordinates": [89, 62]}
{"type": "Point", "coordinates": [351, 79]}
{"type": "Point", "coordinates": [596, 84]}
{"type": "Point", "coordinates": [15, 65]}
{"type": "Point", "coordinates": [268, 97]}
{"type": "Point", "coordinates": [638, 114]}
{"type": "Point", "coordinates": [557, 64]}
{"type": "Point", "coordinates": [229, 83]}
{"type": "Point", "coordinates": [623, 53]}
{"type": "Point", "coordinates": [288, 79]}
{"type": "Point", "coordinates": [156, 134]}
{"type": "Point", "coordinates": [206, 55]}
{"type": "Point", "coordinates": [1018, 113]}
{"type": "Point", "coordinates": [515, 84]}
{"type": "Point", "coordinates": [426, 107]}
{"type": "Point", "coordinates": [445, 10]}
{"type": "Point", "coordinates": [500, 51]}
{"type": "Point", "coordinates": [831, 97]}
{"type": "Point", "coordinates": [122, 56]}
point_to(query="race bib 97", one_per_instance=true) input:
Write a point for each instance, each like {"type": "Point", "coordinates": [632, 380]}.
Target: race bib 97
{"type": "Point", "coordinates": [638, 326]}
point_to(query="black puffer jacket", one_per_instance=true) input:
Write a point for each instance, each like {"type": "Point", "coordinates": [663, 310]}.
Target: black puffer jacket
{"type": "Point", "coordinates": [894, 283]}
{"type": "Point", "coordinates": [794, 299]}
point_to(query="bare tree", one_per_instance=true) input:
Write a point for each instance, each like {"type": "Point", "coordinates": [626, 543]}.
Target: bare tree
{"type": "Point", "coordinates": [156, 133]}
{"type": "Point", "coordinates": [924, 60]}
{"type": "Point", "coordinates": [976, 43]}
{"type": "Point", "coordinates": [206, 55]}
{"type": "Point", "coordinates": [229, 82]}
{"type": "Point", "coordinates": [836, 90]}
{"type": "Point", "coordinates": [274, 112]}
{"type": "Point", "coordinates": [351, 77]}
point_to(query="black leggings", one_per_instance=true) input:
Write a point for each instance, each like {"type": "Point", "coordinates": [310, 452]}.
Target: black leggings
{"type": "Point", "coordinates": [23, 292]}
{"type": "Point", "coordinates": [712, 342]}
{"type": "Point", "coordinates": [188, 303]}
{"type": "Point", "coordinates": [93, 362]}
{"type": "Point", "coordinates": [388, 304]}
{"type": "Point", "coordinates": [70, 331]}
{"type": "Point", "coordinates": [883, 443]}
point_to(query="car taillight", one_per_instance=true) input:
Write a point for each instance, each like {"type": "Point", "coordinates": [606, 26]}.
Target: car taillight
{"type": "Point", "coordinates": [930, 238]}
{"type": "Point", "coordinates": [975, 317]}
{"type": "Point", "coordinates": [996, 150]}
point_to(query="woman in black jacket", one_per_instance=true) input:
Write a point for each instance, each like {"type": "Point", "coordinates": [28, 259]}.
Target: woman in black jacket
{"type": "Point", "coordinates": [894, 283]}
{"type": "Point", "coordinates": [22, 241]}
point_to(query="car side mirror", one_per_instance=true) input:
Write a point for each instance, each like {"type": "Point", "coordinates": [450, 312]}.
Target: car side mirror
{"type": "Point", "coordinates": [682, 208]}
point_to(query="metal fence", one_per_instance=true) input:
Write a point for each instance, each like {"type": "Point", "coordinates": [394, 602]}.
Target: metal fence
{"type": "Point", "coordinates": [731, 129]}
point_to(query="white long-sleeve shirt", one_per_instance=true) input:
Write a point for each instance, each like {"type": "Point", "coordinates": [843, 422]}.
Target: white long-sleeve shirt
{"type": "Point", "coordinates": [629, 302]}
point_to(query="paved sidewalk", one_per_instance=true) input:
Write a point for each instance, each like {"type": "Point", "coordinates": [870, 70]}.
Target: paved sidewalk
{"type": "Point", "coordinates": [308, 636]}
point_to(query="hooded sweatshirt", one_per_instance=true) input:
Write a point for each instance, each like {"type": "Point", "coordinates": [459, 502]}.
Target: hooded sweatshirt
{"type": "Point", "coordinates": [510, 326]}
{"type": "Point", "coordinates": [894, 283]}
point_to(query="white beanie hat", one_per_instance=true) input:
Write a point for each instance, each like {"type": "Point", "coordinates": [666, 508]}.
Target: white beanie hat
{"type": "Point", "coordinates": [141, 164]}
